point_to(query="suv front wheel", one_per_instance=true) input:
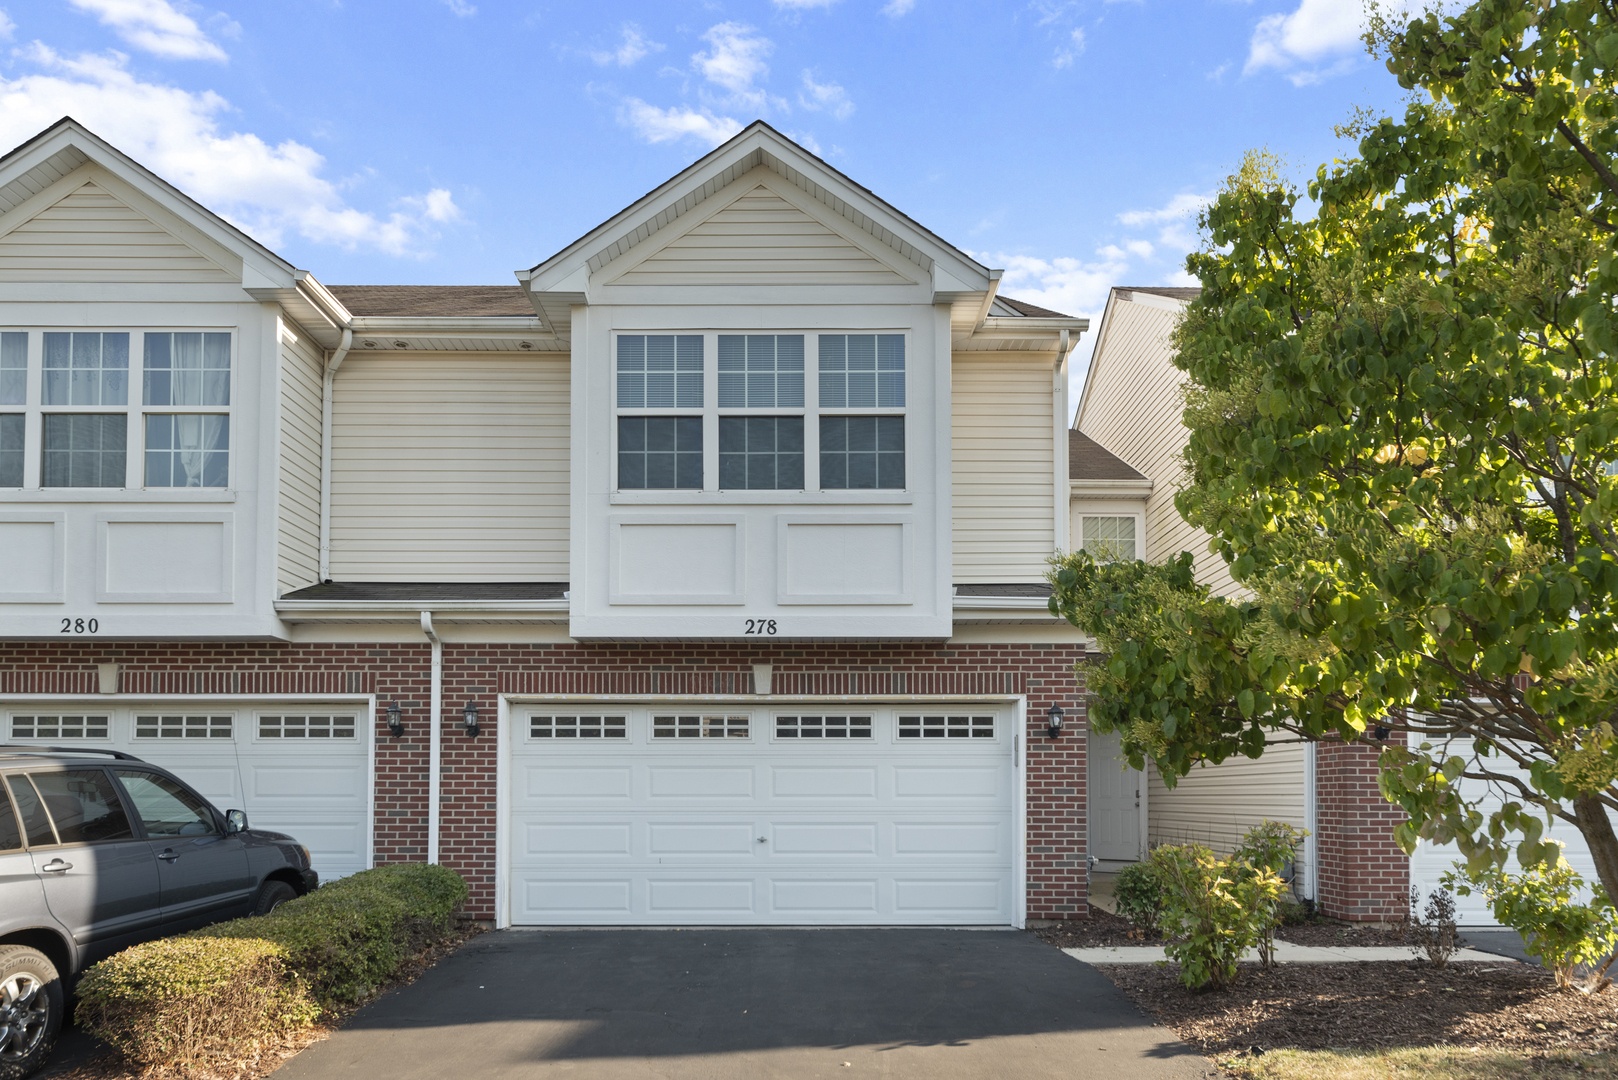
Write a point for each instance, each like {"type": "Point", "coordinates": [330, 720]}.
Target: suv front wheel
{"type": "Point", "coordinates": [30, 1010]}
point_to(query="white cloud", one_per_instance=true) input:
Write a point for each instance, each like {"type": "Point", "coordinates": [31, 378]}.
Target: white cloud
{"type": "Point", "coordinates": [7, 27]}
{"type": "Point", "coordinates": [461, 8]}
{"type": "Point", "coordinates": [807, 141]}
{"type": "Point", "coordinates": [270, 191]}
{"type": "Point", "coordinates": [155, 26]}
{"type": "Point", "coordinates": [1180, 206]}
{"type": "Point", "coordinates": [824, 96]}
{"type": "Point", "coordinates": [736, 59]}
{"type": "Point", "coordinates": [633, 48]}
{"type": "Point", "coordinates": [802, 5]}
{"type": "Point", "coordinates": [897, 8]}
{"type": "Point", "coordinates": [1317, 30]}
{"type": "Point", "coordinates": [666, 125]}
{"type": "Point", "coordinates": [1069, 49]}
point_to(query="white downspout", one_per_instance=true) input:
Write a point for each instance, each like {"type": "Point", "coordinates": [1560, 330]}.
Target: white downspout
{"type": "Point", "coordinates": [436, 693]}
{"type": "Point", "coordinates": [1311, 821]}
{"type": "Point", "coordinates": [325, 451]}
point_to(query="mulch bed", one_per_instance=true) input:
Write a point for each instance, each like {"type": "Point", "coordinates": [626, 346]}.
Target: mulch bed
{"type": "Point", "coordinates": [266, 1058]}
{"type": "Point", "coordinates": [1376, 1006]}
{"type": "Point", "coordinates": [1104, 930]}
{"type": "Point", "coordinates": [1342, 934]}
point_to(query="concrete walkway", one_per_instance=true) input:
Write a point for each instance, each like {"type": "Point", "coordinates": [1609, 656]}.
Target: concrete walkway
{"type": "Point", "coordinates": [1285, 953]}
{"type": "Point", "coordinates": [763, 1004]}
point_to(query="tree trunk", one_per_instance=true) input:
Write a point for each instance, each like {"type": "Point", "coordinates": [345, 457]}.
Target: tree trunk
{"type": "Point", "coordinates": [1598, 834]}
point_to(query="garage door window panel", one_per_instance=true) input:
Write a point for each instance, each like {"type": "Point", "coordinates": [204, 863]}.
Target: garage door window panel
{"type": "Point", "coordinates": [699, 726]}
{"type": "Point", "coordinates": [36, 726]}
{"type": "Point", "coordinates": [823, 727]}
{"type": "Point", "coordinates": [946, 726]}
{"type": "Point", "coordinates": [83, 805]}
{"type": "Point", "coordinates": [164, 807]}
{"type": "Point", "coordinates": [578, 727]}
{"type": "Point", "coordinates": [184, 727]}
{"type": "Point", "coordinates": [304, 728]}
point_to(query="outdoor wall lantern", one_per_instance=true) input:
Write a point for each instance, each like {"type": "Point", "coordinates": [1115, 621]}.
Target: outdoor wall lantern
{"type": "Point", "coordinates": [395, 723]}
{"type": "Point", "coordinates": [471, 715]}
{"type": "Point", "coordinates": [1055, 715]}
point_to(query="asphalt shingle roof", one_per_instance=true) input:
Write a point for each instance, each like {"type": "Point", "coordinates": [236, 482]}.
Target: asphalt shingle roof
{"type": "Point", "coordinates": [1089, 460]}
{"type": "Point", "coordinates": [428, 591]}
{"type": "Point", "coordinates": [428, 300]}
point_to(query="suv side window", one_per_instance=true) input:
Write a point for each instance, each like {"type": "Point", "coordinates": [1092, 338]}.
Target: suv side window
{"type": "Point", "coordinates": [84, 805]}
{"type": "Point", "coordinates": [166, 808]}
{"type": "Point", "coordinates": [35, 822]}
{"type": "Point", "coordinates": [10, 831]}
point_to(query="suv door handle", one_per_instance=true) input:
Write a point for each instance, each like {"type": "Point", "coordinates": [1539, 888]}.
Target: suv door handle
{"type": "Point", "coordinates": [168, 855]}
{"type": "Point", "coordinates": [56, 866]}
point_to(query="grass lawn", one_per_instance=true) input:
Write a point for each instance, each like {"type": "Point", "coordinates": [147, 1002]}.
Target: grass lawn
{"type": "Point", "coordinates": [1425, 1063]}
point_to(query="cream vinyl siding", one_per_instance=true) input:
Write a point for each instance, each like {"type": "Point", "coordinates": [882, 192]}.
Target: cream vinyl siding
{"type": "Point", "coordinates": [1002, 451]}
{"type": "Point", "coordinates": [298, 518]}
{"type": "Point", "coordinates": [89, 235]}
{"type": "Point", "coordinates": [1133, 408]}
{"type": "Point", "coordinates": [450, 467]}
{"type": "Point", "coordinates": [760, 239]}
{"type": "Point", "coordinates": [1218, 804]}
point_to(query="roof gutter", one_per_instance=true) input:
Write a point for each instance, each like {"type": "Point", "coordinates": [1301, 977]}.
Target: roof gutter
{"type": "Point", "coordinates": [332, 365]}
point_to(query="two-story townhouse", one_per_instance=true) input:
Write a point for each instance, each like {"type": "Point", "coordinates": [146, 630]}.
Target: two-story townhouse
{"type": "Point", "coordinates": [695, 578]}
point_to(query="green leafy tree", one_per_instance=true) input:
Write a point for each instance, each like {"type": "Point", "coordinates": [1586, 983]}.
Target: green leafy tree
{"type": "Point", "coordinates": [1402, 426]}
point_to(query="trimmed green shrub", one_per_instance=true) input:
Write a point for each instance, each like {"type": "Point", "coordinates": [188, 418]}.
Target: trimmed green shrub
{"type": "Point", "coordinates": [350, 936]}
{"type": "Point", "coordinates": [216, 992]}
{"type": "Point", "coordinates": [177, 1001]}
{"type": "Point", "coordinates": [1213, 911]}
{"type": "Point", "coordinates": [1540, 904]}
{"type": "Point", "coordinates": [1137, 895]}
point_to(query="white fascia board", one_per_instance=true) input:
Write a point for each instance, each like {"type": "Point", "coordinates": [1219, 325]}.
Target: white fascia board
{"type": "Point", "coordinates": [1152, 300]}
{"type": "Point", "coordinates": [1004, 326]}
{"type": "Point", "coordinates": [1109, 489]}
{"type": "Point", "coordinates": [1001, 603]}
{"type": "Point", "coordinates": [561, 272]}
{"type": "Point", "coordinates": [102, 153]}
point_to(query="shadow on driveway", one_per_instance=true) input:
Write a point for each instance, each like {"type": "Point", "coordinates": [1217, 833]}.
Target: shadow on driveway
{"type": "Point", "coordinates": [753, 1003]}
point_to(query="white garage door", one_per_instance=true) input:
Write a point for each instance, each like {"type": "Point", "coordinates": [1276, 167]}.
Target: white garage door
{"type": "Point", "coordinates": [697, 815]}
{"type": "Point", "coordinates": [298, 769]}
{"type": "Point", "coordinates": [1431, 862]}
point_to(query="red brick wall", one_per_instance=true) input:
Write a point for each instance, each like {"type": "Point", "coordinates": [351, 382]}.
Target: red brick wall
{"type": "Point", "coordinates": [1364, 877]}
{"type": "Point", "coordinates": [1044, 672]}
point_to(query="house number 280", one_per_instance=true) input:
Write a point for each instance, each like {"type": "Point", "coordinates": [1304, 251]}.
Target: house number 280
{"type": "Point", "coordinates": [79, 626]}
{"type": "Point", "coordinates": [760, 626]}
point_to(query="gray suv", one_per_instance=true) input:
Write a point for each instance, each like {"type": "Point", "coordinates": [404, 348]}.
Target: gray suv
{"type": "Point", "coordinates": [99, 851]}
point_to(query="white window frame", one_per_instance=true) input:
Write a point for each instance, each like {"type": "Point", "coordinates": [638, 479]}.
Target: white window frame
{"type": "Point", "coordinates": [530, 715]}
{"type": "Point", "coordinates": [875, 716]}
{"type": "Point", "coordinates": [1137, 517]}
{"type": "Point", "coordinates": [137, 712]}
{"type": "Point", "coordinates": [257, 714]}
{"type": "Point", "coordinates": [999, 716]}
{"type": "Point", "coordinates": [810, 411]}
{"type": "Point", "coordinates": [12, 714]}
{"type": "Point", "coordinates": [134, 410]}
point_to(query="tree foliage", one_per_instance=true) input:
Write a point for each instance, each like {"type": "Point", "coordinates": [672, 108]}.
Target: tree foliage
{"type": "Point", "coordinates": [1402, 422]}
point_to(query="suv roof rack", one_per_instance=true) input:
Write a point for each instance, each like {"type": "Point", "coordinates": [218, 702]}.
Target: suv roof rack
{"type": "Point", "coordinates": [118, 754]}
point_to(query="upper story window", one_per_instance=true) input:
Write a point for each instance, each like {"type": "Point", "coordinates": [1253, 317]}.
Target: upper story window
{"type": "Point", "coordinates": [1108, 539]}
{"type": "Point", "coordinates": [772, 427]}
{"type": "Point", "coordinates": [69, 417]}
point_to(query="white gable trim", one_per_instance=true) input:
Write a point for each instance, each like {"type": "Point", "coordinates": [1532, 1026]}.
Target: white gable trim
{"type": "Point", "coordinates": [759, 145]}
{"type": "Point", "coordinates": [739, 189]}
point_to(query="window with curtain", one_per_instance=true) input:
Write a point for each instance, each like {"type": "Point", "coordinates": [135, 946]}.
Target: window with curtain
{"type": "Point", "coordinates": [761, 452]}
{"type": "Point", "coordinates": [187, 451]}
{"type": "Point", "coordinates": [187, 369]}
{"type": "Point", "coordinates": [862, 452]}
{"type": "Point", "coordinates": [659, 452]}
{"type": "Point", "coordinates": [1109, 539]}
{"type": "Point", "coordinates": [660, 371]}
{"type": "Point", "coordinates": [86, 369]}
{"type": "Point", "coordinates": [862, 371]}
{"type": "Point", "coordinates": [85, 450]}
{"type": "Point", "coordinates": [760, 371]}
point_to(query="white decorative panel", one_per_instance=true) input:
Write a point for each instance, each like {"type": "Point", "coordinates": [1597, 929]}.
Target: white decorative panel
{"type": "Point", "coordinates": [961, 783]}
{"type": "Point", "coordinates": [735, 896]}
{"type": "Point", "coordinates": [826, 897]}
{"type": "Point", "coordinates": [823, 838]}
{"type": "Point", "coordinates": [690, 782]}
{"type": "Point", "coordinates": [699, 838]}
{"type": "Point", "coordinates": [676, 560]}
{"type": "Point", "coordinates": [823, 783]}
{"type": "Point", "coordinates": [302, 781]}
{"type": "Point", "coordinates": [577, 838]}
{"type": "Point", "coordinates": [31, 570]}
{"type": "Point", "coordinates": [964, 896]}
{"type": "Point", "coordinates": [598, 783]}
{"type": "Point", "coordinates": [596, 897]}
{"type": "Point", "coordinates": [164, 558]}
{"type": "Point", "coordinates": [842, 560]}
{"type": "Point", "coordinates": [936, 837]}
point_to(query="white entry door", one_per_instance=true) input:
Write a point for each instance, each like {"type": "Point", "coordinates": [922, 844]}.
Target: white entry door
{"type": "Point", "coordinates": [302, 770]}
{"type": "Point", "coordinates": [710, 815]}
{"type": "Point", "coordinates": [1115, 801]}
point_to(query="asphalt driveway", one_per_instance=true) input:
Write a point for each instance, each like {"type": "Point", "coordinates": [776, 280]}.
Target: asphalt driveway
{"type": "Point", "coordinates": [938, 1004]}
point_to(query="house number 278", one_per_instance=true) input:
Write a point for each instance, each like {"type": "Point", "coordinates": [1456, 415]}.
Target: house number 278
{"type": "Point", "coordinates": [760, 626]}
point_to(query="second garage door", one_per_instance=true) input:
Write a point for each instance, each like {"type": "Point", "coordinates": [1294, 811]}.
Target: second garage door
{"type": "Point", "coordinates": [701, 815]}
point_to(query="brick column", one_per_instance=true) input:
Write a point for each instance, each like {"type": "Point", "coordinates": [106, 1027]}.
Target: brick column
{"type": "Point", "coordinates": [1364, 877]}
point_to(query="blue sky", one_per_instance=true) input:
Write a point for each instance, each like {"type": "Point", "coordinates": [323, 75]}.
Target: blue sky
{"type": "Point", "coordinates": [454, 141]}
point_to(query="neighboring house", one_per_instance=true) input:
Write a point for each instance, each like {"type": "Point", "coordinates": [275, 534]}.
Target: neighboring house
{"type": "Point", "coordinates": [696, 578]}
{"type": "Point", "coordinates": [1126, 446]}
